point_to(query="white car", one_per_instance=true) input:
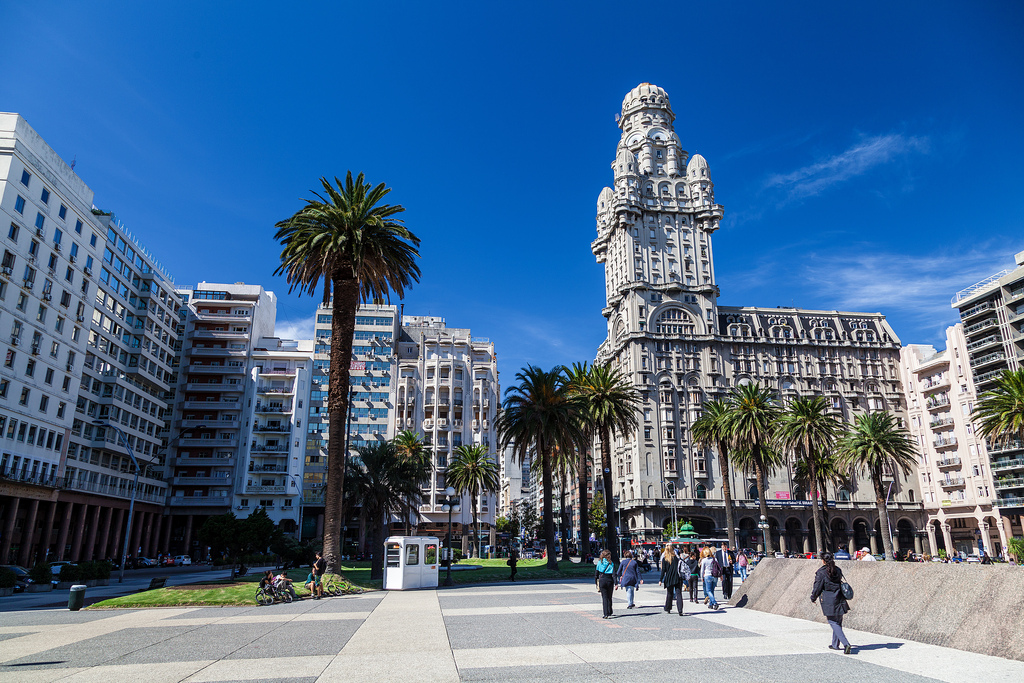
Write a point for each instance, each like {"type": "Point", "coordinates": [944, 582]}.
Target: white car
{"type": "Point", "coordinates": [182, 561]}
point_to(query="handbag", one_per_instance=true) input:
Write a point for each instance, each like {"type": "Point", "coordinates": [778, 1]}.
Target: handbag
{"type": "Point", "coordinates": [846, 589]}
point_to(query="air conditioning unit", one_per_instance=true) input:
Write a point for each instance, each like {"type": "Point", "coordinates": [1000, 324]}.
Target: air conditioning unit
{"type": "Point", "coordinates": [47, 296]}
{"type": "Point", "coordinates": [29, 284]}
{"type": "Point", "coordinates": [56, 246]}
{"type": "Point", "coordinates": [7, 270]}
{"type": "Point", "coordinates": [15, 341]}
{"type": "Point", "coordinates": [72, 258]}
{"type": "Point", "coordinates": [35, 349]}
{"type": "Point", "coordinates": [88, 270]}
{"type": "Point", "coordinates": [39, 232]}
{"type": "Point", "coordinates": [80, 318]}
{"type": "Point", "coordinates": [70, 367]}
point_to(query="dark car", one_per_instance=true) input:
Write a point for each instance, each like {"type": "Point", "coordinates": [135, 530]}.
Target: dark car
{"type": "Point", "coordinates": [22, 575]}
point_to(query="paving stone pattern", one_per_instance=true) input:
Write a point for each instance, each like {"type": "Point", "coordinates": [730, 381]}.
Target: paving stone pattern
{"type": "Point", "coordinates": [529, 632]}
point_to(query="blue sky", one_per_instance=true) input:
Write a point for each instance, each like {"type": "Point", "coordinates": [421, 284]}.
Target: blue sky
{"type": "Point", "coordinates": [868, 157]}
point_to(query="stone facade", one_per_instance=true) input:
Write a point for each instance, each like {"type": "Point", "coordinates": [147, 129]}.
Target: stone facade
{"type": "Point", "coordinates": [669, 334]}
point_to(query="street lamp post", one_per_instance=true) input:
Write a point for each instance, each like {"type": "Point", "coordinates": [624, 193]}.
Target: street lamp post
{"type": "Point", "coordinates": [450, 503]}
{"type": "Point", "coordinates": [135, 488]}
{"type": "Point", "coordinates": [670, 491]}
{"type": "Point", "coordinates": [763, 526]}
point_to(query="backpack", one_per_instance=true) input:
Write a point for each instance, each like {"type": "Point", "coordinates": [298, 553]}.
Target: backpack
{"type": "Point", "coordinates": [716, 569]}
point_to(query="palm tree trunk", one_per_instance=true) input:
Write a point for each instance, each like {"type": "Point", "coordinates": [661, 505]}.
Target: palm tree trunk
{"type": "Point", "coordinates": [565, 515]}
{"type": "Point", "coordinates": [407, 509]}
{"type": "Point", "coordinates": [584, 504]}
{"type": "Point", "coordinates": [610, 538]}
{"type": "Point", "coordinates": [723, 464]}
{"type": "Point", "coordinates": [819, 535]}
{"type": "Point", "coordinates": [476, 526]}
{"type": "Point", "coordinates": [345, 304]}
{"type": "Point", "coordinates": [762, 502]}
{"type": "Point", "coordinates": [883, 517]}
{"type": "Point", "coordinates": [549, 520]}
{"type": "Point", "coordinates": [376, 543]}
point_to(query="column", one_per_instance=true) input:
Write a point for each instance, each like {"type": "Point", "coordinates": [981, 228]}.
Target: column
{"type": "Point", "coordinates": [873, 543]}
{"type": "Point", "coordinates": [104, 522]}
{"type": "Point", "coordinates": [782, 540]}
{"type": "Point", "coordinates": [851, 546]}
{"type": "Point", "coordinates": [188, 535]}
{"type": "Point", "coordinates": [807, 542]}
{"type": "Point", "coordinates": [10, 515]}
{"type": "Point", "coordinates": [138, 521]}
{"type": "Point", "coordinates": [986, 542]}
{"type": "Point", "coordinates": [28, 533]}
{"type": "Point", "coordinates": [918, 546]}
{"type": "Point", "coordinates": [114, 549]}
{"type": "Point", "coordinates": [947, 538]}
{"type": "Point", "coordinates": [78, 534]}
{"type": "Point", "coordinates": [1001, 528]}
{"type": "Point", "coordinates": [62, 535]}
{"type": "Point", "coordinates": [166, 540]}
{"type": "Point", "coordinates": [44, 541]}
{"type": "Point", "coordinates": [90, 541]}
{"type": "Point", "coordinates": [932, 545]}
{"type": "Point", "coordinates": [154, 537]}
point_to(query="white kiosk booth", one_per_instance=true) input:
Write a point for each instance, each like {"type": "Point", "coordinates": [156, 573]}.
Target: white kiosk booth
{"type": "Point", "coordinates": [410, 562]}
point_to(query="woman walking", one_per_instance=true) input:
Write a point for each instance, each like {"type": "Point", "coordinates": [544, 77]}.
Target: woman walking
{"type": "Point", "coordinates": [707, 572]}
{"type": "Point", "coordinates": [827, 586]}
{"type": "Point", "coordinates": [671, 579]}
{"type": "Point", "coordinates": [605, 579]}
{"type": "Point", "coordinates": [691, 569]}
{"type": "Point", "coordinates": [741, 563]}
{"type": "Point", "coordinates": [629, 576]}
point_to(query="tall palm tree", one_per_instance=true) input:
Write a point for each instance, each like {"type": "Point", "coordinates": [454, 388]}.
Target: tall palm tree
{"type": "Point", "coordinates": [472, 470]}
{"type": "Point", "coordinates": [1000, 412]}
{"type": "Point", "coordinates": [830, 473]}
{"type": "Point", "coordinates": [577, 375]}
{"type": "Point", "coordinates": [362, 251]}
{"type": "Point", "coordinates": [381, 482]}
{"type": "Point", "coordinates": [612, 404]}
{"type": "Point", "coordinates": [878, 443]}
{"type": "Point", "coordinates": [712, 428]}
{"type": "Point", "coordinates": [409, 446]}
{"type": "Point", "coordinates": [808, 429]}
{"type": "Point", "coordinates": [540, 412]}
{"type": "Point", "coordinates": [754, 414]}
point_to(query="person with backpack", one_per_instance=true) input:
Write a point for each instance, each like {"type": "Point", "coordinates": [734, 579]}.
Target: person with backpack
{"type": "Point", "coordinates": [671, 579]}
{"type": "Point", "coordinates": [628, 576]}
{"type": "Point", "coordinates": [828, 585]}
{"type": "Point", "coordinates": [710, 572]}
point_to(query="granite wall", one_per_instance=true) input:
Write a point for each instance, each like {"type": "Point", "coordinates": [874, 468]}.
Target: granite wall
{"type": "Point", "coordinates": [964, 606]}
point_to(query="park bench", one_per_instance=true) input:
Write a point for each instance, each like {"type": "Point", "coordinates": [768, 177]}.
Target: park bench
{"type": "Point", "coordinates": [157, 582]}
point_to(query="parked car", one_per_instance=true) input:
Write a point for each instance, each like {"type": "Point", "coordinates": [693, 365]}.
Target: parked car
{"type": "Point", "coordinates": [144, 562]}
{"type": "Point", "coordinates": [21, 573]}
{"type": "Point", "coordinates": [183, 560]}
{"type": "Point", "coordinates": [168, 561]}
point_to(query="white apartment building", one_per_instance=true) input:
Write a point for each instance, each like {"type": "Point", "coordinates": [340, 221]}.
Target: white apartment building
{"type": "Point", "coordinates": [214, 429]}
{"type": "Point", "coordinates": [956, 482]}
{"type": "Point", "coordinates": [448, 391]}
{"type": "Point", "coordinates": [50, 249]}
{"type": "Point", "coordinates": [669, 334]}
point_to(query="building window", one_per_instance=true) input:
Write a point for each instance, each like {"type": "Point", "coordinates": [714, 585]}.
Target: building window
{"type": "Point", "coordinates": [63, 212]}
{"type": "Point", "coordinates": [44, 196]}
{"type": "Point", "coordinates": [25, 178]}
{"type": "Point", "coordinates": [40, 220]}
{"type": "Point", "coordinates": [701, 492]}
{"type": "Point", "coordinates": [19, 204]}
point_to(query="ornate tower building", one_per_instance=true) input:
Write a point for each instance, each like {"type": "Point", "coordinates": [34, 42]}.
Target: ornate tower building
{"type": "Point", "coordinates": [667, 331]}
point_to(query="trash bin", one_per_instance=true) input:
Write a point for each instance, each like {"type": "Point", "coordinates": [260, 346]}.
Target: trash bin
{"type": "Point", "coordinates": [76, 598]}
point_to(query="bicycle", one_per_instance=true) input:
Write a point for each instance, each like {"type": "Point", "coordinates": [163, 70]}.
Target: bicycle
{"type": "Point", "coordinates": [331, 586]}
{"type": "Point", "coordinates": [268, 595]}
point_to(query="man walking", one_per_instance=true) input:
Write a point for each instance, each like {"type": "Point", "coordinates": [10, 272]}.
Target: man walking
{"type": "Point", "coordinates": [725, 560]}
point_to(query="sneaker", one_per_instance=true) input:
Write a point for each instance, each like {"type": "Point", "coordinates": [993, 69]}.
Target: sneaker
{"type": "Point", "coordinates": [831, 647]}
{"type": "Point", "coordinates": [848, 650]}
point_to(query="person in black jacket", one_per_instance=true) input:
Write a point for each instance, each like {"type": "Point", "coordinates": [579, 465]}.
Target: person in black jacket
{"type": "Point", "coordinates": [671, 579]}
{"type": "Point", "coordinates": [827, 582]}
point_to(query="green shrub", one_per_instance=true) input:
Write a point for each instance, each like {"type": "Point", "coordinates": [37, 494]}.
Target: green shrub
{"type": "Point", "coordinates": [70, 573]}
{"type": "Point", "coordinates": [85, 571]}
{"type": "Point", "coordinates": [40, 573]}
{"type": "Point", "coordinates": [102, 569]}
{"type": "Point", "coordinates": [8, 579]}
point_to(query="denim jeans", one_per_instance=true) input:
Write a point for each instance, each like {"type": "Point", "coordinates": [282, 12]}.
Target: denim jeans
{"type": "Point", "coordinates": [709, 589]}
{"type": "Point", "coordinates": [743, 573]}
{"type": "Point", "coordinates": [629, 593]}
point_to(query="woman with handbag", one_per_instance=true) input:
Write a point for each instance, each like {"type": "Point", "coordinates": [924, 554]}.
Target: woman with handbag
{"type": "Point", "coordinates": [629, 576]}
{"type": "Point", "coordinates": [671, 579]}
{"type": "Point", "coordinates": [830, 587]}
{"type": "Point", "coordinates": [605, 579]}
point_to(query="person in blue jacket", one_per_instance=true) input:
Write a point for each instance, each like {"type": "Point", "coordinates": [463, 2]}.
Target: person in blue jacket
{"type": "Point", "coordinates": [605, 579]}
{"type": "Point", "coordinates": [628, 576]}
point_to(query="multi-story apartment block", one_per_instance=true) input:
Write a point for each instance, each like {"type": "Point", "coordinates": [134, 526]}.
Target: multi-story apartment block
{"type": "Point", "coordinates": [448, 390]}
{"type": "Point", "coordinates": [214, 429]}
{"type": "Point", "coordinates": [371, 406]}
{"type": "Point", "coordinates": [680, 347]}
{"type": "Point", "coordinates": [50, 245]}
{"type": "Point", "coordinates": [955, 475]}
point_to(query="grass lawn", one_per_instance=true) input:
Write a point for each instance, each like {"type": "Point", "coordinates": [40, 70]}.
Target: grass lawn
{"type": "Point", "coordinates": [240, 592]}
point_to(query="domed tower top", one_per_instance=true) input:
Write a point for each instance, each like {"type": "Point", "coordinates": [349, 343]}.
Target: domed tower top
{"type": "Point", "coordinates": [697, 168]}
{"type": "Point", "coordinates": [625, 163]}
{"type": "Point", "coordinates": [647, 96]}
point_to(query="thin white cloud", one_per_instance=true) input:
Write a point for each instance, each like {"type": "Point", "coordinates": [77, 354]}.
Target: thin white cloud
{"type": "Point", "coordinates": [302, 328]}
{"type": "Point", "coordinates": [857, 160]}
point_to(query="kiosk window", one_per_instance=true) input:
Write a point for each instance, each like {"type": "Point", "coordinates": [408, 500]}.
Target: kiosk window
{"type": "Point", "coordinates": [412, 554]}
{"type": "Point", "coordinates": [394, 554]}
{"type": "Point", "coordinates": [430, 554]}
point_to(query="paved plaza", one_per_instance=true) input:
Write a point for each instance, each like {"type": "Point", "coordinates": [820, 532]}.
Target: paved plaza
{"type": "Point", "coordinates": [542, 631]}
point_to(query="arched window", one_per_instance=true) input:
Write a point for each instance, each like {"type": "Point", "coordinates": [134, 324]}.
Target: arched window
{"type": "Point", "coordinates": [910, 495]}
{"type": "Point", "coordinates": [752, 492]}
{"type": "Point", "coordinates": [701, 492]}
{"type": "Point", "coordinates": [843, 495]}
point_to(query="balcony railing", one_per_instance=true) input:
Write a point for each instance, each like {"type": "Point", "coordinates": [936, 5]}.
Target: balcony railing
{"type": "Point", "coordinates": [204, 462]}
{"type": "Point", "coordinates": [26, 477]}
{"type": "Point", "coordinates": [1010, 501]}
{"type": "Point", "coordinates": [937, 402]}
{"type": "Point", "coordinates": [988, 376]}
{"type": "Point", "coordinates": [944, 443]}
{"type": "Point", "coordinates": [200, 500]}
{"type": "Point", "coordinates": [952, 482]}
{"type": "Point", "coordinates": [991, 339]}
{"type": "Point", "coordinates": [1009, 483]}
{"type": "Point", "coordinates": [986, 359]}
{"type": "Point", "coordinates": [274, 390]}
{"type": "Point", "coordinates": [948, 462]}
{"type": "Point", "coordinates": [265, 489]}
{"type": "Point", "coordinates": [939, 424]}
{"type": "Point", "coordinates": [1008, 464]}
{"type": "Point", "coordinates": [980, 308]}
{"type": "Point", "coordinates": [113, 491]}
{"type": "Point", "coordinates": [984, 324]}
{"type": "Point", "coordinates": [276, 429]}
{"type": "Point", "coordinates": [994, 447]}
